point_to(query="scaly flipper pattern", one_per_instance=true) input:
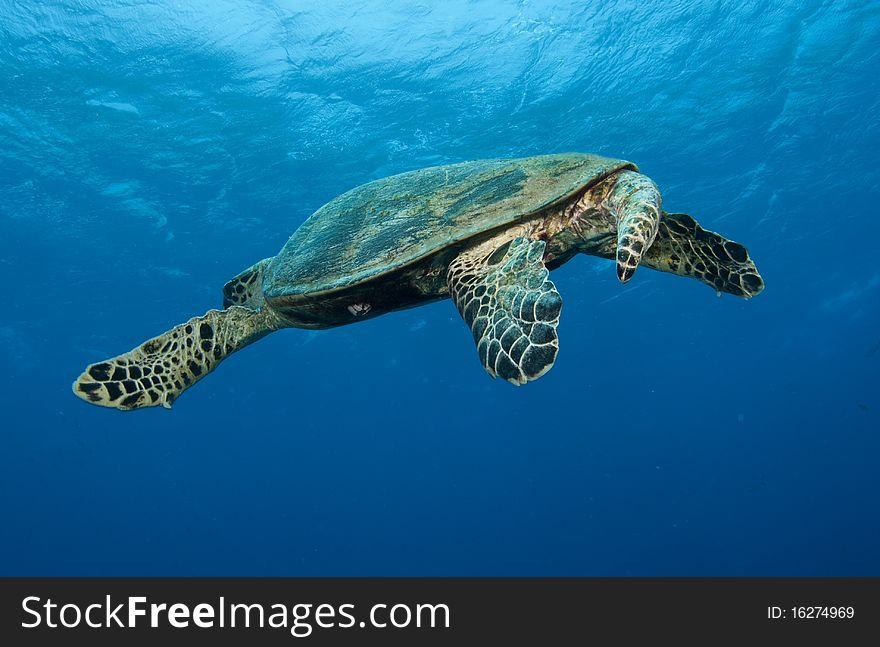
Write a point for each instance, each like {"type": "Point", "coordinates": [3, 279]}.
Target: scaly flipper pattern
{"type": "Point", "coordinates": [683, 247]}
{"type": "Point", "coordinates": [159, 370]}
{"type": "Point", "coordinates": [512, 307]}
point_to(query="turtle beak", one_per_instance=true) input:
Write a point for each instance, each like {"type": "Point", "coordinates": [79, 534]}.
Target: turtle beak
{"type": "Point", "coordinates": [635, 202]}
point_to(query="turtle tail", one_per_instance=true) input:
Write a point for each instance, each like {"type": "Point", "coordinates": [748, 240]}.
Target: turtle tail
{"type": "Point", "coordinates": [159, 370]}
{"type": "Point", "coordinates": [246, 288]}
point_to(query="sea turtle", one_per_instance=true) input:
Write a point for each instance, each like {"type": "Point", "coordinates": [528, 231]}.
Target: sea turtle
{"type": "Point", "coordinates": [485, 233]}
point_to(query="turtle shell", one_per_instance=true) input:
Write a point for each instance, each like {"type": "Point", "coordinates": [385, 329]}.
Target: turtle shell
{"type": "Point", "coordinates": [393, 222]}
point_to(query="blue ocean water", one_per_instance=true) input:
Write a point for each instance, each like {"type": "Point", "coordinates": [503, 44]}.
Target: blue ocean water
{"type": "Point", "coordinates": [149, 151]}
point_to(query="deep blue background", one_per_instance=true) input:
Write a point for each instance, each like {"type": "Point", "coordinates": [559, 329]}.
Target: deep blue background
{"type": "Point", "coordinates": [150, 151]}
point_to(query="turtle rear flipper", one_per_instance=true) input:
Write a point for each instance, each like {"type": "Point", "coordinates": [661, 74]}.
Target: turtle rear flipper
{"type": "Point", "coordinates": [159, 370]}
{"type": "Point", "coordinates": [512, 307]}
{"type": "Point", "coordinates": [683, 247]}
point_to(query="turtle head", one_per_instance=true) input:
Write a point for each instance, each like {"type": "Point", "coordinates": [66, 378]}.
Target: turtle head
{"type": "Point", "coordinates": [634, 201]}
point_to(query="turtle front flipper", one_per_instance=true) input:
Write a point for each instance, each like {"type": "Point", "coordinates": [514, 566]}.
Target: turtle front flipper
{"type": "Point", "coordinates": [512, 307]}
{"type": "Point", "coordinates": [159, 370]}
{"type": "Point", "coordinates": [683, 247]}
